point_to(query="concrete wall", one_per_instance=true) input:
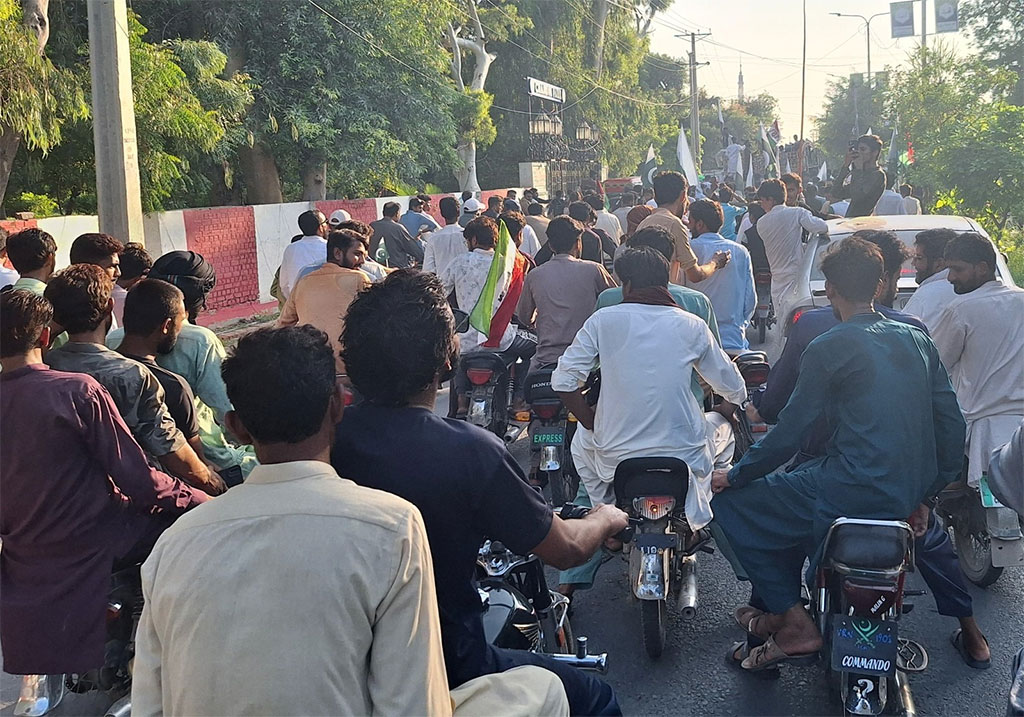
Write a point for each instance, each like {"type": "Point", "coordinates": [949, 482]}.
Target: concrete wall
{"type": "Point", "coordinates": [244, 244]}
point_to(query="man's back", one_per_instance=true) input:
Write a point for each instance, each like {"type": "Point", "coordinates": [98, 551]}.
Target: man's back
{"type": "Point", "coordinates": [467, 274]}
{"type": "Point", "coordinates": [307, 251]}
{"type": "Point", "coordinates": [539, 224]}
{"type": "Point", "coordinates": [890, 203]}
{"type": "Point", "coordinates": [465, 484]}
{"type": "Point", "coordinates": [443, 247]}
{"type": "Point", "coordinates": [330, 580]}
{"type": "Point", "coordinates": [911, 205]}
{"type": "Point", "coordinates": [931, 298]}
{"type": "Point", "coordinates": [980, 337]}
{"type": "Point", "coordinates": [730, 289]}
{"type": "Point", "coordinates": [562, 292]}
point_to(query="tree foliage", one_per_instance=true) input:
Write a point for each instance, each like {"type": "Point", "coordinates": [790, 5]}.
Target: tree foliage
{"type": "Point", "coordinates": [998, 29]}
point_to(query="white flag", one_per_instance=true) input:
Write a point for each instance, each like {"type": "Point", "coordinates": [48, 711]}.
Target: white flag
{"type": "Point", "coordinates": [769, 145]}
{"type": "Point", "coordinates": [869, 131]}
{"type": "Point", "coordinates": [823, 172]}
{"type": "Point", "coordinates": [788, 170]}
{"type": "Point", "coordinates": [894, 155]}
{"type": "Point", "coordinates": [720, 120]}
{"type": "Point", "coordinates": [686, 159]}
{"type": "Point", "coordinates": [750, 173]}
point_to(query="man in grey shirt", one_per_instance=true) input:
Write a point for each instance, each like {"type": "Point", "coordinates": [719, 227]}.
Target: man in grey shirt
{"type": "Point", "coordinates": [82, 305]}
{"type": "Point", "coordinates": [559, 295]}
{"type": "Point", "coordinates": [403, 249]}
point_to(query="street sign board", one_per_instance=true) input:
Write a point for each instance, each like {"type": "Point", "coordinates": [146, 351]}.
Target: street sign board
{"type": "Point", "coordinates": [946, 16]}
{"type": "Point", "coordinates": [544, 90]}
{"type": "Point", "coordinates": [902, 16]}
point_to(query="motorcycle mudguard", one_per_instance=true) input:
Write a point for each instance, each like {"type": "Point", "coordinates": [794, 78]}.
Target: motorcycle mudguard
{"type": "Point", "coordinates": [1006, 541]}
{"type": "Point", "coordinates": [648, 571]}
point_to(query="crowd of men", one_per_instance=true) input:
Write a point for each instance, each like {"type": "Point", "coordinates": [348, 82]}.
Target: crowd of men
{"type": "Point", "coordinates": [122, 414]}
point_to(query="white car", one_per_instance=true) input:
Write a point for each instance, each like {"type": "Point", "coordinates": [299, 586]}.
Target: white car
{"type": "Point", "coordinates": [811, 293]}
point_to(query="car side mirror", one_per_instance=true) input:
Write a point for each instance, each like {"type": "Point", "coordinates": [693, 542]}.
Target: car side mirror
{"type": "Point", "coordinates": [461, 321]}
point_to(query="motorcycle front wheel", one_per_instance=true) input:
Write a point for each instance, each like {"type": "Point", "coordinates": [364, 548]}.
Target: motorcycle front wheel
{"type": "Point", "coordinates": [653, 616]}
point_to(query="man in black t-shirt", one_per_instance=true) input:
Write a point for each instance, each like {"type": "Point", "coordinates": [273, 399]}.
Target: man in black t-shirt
{"type": "Point", "coordinates": [399, 344]}
{"type": "Point", "coordinates": [154, 312]}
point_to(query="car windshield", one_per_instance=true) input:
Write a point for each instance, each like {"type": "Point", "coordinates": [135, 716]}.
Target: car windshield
{"type": "Point", "coordinates": [907, 272]}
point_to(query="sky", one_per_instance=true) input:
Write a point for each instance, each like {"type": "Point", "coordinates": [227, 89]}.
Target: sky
{"type": "Point", "coordinates": [767, 38]}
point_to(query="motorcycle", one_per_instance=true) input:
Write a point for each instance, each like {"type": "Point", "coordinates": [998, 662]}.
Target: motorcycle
{"type": "Point", "coordinates": [857, 603]}
{"type": "Point", "coordinates": [986, 533]}
{"type": "Point", "coordinates": [753, 367]}
{"type": "Point", "coordinates": [764, 313]}
{"type": "Point", "coordinates": [522, 613]}
{"type": "Point", "coordinates": [40, 694]}
{"type": "Point", "coordinates": [551, 430]}
{"type": "Point", "coordinates": [663, 554]}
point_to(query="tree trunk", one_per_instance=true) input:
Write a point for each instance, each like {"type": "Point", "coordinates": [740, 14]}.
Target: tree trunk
{"type": "Point", "coordinates": [600, 20]}
{"type": "Point", "coordinates": [262, 178]}
{"type": "Point", "coordinates": [466, 173]}
{"type": "Point", "coordinates": [9, 141]}
{"type": "Point", "coordinates": [314, 180]}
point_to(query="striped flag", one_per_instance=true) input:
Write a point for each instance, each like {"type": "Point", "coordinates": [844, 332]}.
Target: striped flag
{"type": "Point", "coordinates": [493, 311]}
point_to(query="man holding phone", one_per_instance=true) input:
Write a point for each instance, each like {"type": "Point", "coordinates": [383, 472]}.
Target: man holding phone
{"type": "Point", "coordinates": [867, 181]}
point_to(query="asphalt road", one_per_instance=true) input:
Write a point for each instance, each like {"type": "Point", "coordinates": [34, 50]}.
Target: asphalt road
{"type": "Point", "coordinates": [691, 677]}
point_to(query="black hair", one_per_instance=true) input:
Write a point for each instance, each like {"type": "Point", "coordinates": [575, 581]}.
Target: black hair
{"type": "Point", "coordinates": [933, 242]}
{"type": "Point", "coordinates": [399, 334]}
{"type": "Point", "coordinates": [93, 248]}
{"type": "Point", "coordinates": [310, 223]}
{"type": "Point", "coordinates": [772, 189]}
{"type": "Point", "coordinates": [894, 252]}
{"type": "Point", "coordinates": [725, 194]}
{"type": "Point", "coordinates": [280, 382]}
{"type": "Point", "coordinates": [854, 267]}
{"type": "Point", "coordinates": [515, 221]}
{"type": "Point", "coordinates": [708, 212]}
{"type": "Point", "coordinates": [563, 233]}
{"type": "Point", "coordinates": [343, 239]}
{"type": "Point", "coordinates": [467, 195]}
{"type": "Point", "coordinates": [494, 201]}
{"type": "Point", "coordinates": [596, 201]}
{"type": "Point", "coordinates": [23, 316]}
{"type": "Point", "coordinates": [3, 240]}
{"type": "Point", "coordinates": [484, 230]}
{"type": "Point", "coordinates": [30, 249]}
{"type": "Point", "coordinates": [358, 227]}
{"type": "Point", "coordinates": [149, 304]}
{"type": "Point", "coordinates": [582, 212]}
{"type": "Point", "coordinates": [871, 140]}
{"type": "Point", "coordinates": [655, 237]}
{"type": "Point", "coordinates": [415, 204]}
{"type": "Point", "coordinates": [642, 267]}
{"type": "Point", "coordinates": [668, 186]}
{"type": "Point", "coordinates": [535, 209]}
{"type": "Point", "coordinates": [449, 208]}
{"type": "Point", "coordinates": [791, 178]}
{"type": "Point", "coordinates": [906, 189]}
{"type": "Point", "coordinates": [425, 198]}
{"type": "Point", "coordinates": [755, 211]}
{"type": "Point", "coordinates": [390, 209]}
{"type": "Point", "coordinates": [135, 261]}
{"type": "Point", "coordinates": [80, 296]}
{"type": "Point", "coordinates": [973, 248]}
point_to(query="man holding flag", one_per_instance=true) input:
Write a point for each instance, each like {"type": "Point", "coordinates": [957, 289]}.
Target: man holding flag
{"type": "Point", "coordinates": [488, 280]}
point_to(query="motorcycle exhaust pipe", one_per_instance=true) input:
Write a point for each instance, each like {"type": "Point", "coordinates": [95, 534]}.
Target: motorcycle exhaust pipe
{"type": "Point", "coordinates": [688, 592]}
{"type": "Point", "coordinates": [903, 690]}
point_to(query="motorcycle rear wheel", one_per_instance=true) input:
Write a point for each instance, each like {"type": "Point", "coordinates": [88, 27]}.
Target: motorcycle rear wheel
{"type": "Point", "coordinates": [653, 618]}
{"type": "Point", "coordinates": [975, 555]}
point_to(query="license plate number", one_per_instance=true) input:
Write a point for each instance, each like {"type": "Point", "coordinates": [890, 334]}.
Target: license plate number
{"type": "Point", "coordinates": [654, 540]}
{"type": "Point", "coordinates": [864, 645]}
{"type": "Point", "coordinates": [549, 437]}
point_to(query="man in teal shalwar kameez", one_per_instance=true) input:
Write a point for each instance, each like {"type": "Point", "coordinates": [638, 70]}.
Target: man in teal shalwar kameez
{"type": "Point", "coordinates": [897, 440]}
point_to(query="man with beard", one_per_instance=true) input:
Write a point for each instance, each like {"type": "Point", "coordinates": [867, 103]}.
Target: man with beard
{"type": "Point", "coordinates": [154, 312]}
{"type": "Point", "coordinates": [321, 298]}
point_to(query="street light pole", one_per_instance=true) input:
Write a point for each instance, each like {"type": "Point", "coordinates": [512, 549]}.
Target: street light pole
{"type": "Point", "coordinates": [867, 33]}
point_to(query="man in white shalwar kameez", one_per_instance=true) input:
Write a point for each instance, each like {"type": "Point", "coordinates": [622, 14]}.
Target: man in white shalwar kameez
{"type": "Point", "coordinates": [646, 348]}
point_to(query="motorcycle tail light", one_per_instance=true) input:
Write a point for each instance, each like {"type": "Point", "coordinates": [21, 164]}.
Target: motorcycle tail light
{"type": "Point", "coordinates": [871, 599]}
{"type": "Point", "coordinates": [113, 611]}
{"type": "Point", "coordinates": [654, 507]}
{"type": "Point", "coordinates": [755, 375]}
{"type": "Point", "coordinates": [546, 411]}
{"type": "Point", "coordinates": [796, 316]}
{"type": "Point", "coordinates": [479, 376]}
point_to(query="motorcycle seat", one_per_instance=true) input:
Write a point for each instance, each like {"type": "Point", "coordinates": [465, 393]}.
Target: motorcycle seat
{"type": "Point", "coordinates": [635, 477]}
{"type": "Point", "coordinates": [538, 386]}
{"type": "Point", "coordinates": [484, 359]}
{"type": "Point", "coordinates": [868, 544]}
{"type": "Point", "coordinates": [751, 357]}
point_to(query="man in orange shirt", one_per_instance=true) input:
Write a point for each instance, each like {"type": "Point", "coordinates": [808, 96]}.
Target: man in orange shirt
{"type": "Point", "coordinates": [321, 298]}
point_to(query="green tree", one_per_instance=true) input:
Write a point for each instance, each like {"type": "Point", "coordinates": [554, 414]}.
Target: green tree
{"type": "Point", "coordinates": [850, 108]}
{"type": "Point", "coordinates": [998, 29]}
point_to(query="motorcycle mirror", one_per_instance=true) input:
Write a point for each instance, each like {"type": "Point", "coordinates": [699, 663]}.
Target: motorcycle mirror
{"type": "Point", "coordinates": [461, 321]}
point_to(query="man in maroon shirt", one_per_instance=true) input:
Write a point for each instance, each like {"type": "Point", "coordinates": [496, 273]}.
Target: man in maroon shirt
{"type": "Point", "coordinates": [78, 494]}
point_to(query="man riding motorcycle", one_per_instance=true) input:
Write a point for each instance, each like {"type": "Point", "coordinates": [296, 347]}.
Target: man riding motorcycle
{"type": "Point", "coordinates": [896, 442]}
{"type": "Point", "coordinates": [399, 344]}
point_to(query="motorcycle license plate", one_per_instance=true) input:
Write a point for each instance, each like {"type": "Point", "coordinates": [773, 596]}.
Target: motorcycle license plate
{"type": "Point", "coordinates": [654, 540]}
{"type": "Point", "coordinates": [549, 436]}
{"type": "Point", "coordinates": [864, 645]}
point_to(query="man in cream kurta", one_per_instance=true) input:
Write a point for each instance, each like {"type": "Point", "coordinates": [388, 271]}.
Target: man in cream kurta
{"type": "Point", "coordinates": [646, 408]}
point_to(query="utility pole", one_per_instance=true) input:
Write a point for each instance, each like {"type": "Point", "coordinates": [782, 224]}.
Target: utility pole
{"type": "Point", "coordinates": [118, 190]}
{"type": "Point", "coordinates": [867, 33]}
{"type": "Point", "coordinates": [694, 98]}
{"type": "Point", "coordinates": [924, 23]}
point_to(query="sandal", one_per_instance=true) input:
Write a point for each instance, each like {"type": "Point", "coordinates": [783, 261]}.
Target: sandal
{"type": "Point", "coordinates": [744, 614]}
{"type": "Point", "coordinates": [770, 654]}
{"type": "Point", "coordinates": [739, 652]}
{"type": "Point", "coordinates": [957, 638]}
